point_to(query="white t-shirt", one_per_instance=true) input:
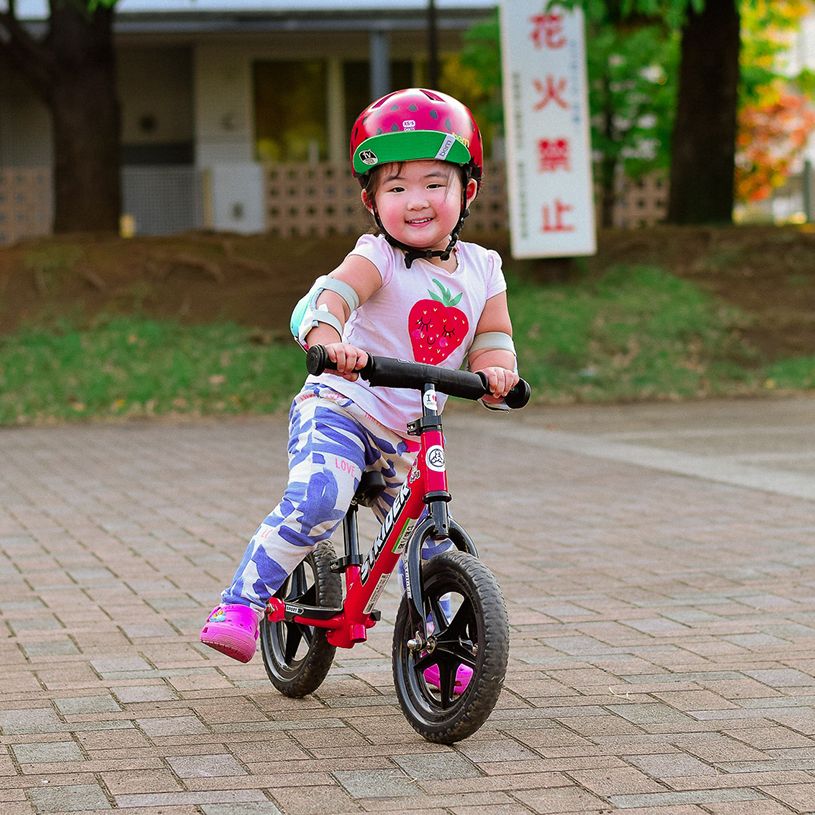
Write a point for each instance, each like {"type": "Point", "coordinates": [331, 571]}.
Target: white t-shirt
{"type": "Point", "coordinates": [422, 314]}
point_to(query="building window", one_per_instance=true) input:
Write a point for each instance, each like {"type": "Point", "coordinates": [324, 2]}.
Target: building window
{"type": "Point", "coordinates": [290, 110]}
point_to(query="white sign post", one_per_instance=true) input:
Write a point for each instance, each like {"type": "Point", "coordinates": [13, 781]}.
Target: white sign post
{"type": "Point", "coordinates": [548, 143]}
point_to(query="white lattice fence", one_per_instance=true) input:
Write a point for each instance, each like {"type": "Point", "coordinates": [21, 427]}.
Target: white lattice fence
{"type": "Point", "coordinates": [641, 203]}
{"type": "Point", "coordinates": [323, 199]}
{"type": "Point", "coordinates": [312, 200]}
{"type": "Point", "coordinates": [25, 203]}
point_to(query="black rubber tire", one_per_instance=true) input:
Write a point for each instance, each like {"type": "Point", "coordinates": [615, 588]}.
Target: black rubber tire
{"type": "Point", "coordinates": [298, 657]}
{"type": "Point", "coordinates": [477, 634]}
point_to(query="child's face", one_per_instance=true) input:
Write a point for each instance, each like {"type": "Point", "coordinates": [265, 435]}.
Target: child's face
{"type": "Point", "coordinates": [419, 202]}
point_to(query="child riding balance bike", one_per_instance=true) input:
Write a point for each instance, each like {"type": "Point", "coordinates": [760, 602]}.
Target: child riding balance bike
{"type": "Point", "coordinates": [411, 292]}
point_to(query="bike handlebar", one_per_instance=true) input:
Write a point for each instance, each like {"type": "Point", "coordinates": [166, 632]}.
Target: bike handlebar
{"type": "Point", "coordinates": [397, 373]}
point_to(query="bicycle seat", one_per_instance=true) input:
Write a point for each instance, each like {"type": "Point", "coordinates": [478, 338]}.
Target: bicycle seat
{"type": "Point", "coordinates": [371, 486]}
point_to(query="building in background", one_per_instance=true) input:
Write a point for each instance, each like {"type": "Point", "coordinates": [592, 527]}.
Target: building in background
{"type": "Point", "coordinates": [227, 107]}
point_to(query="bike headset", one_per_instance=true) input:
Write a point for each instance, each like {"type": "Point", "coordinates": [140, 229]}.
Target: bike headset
{"type": "Point", "coordinates": [416, 124]}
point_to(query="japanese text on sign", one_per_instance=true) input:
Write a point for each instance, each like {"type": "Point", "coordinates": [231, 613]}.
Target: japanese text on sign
{"type": "Point", "coordinates": [547, 128]}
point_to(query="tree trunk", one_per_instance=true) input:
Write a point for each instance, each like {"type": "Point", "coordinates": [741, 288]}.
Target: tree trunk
{"type": "Point", "coordinates": [86, 120]}
{"type": "Point", "coordinates": [608, 162]}
{"type": "Point", "coordinates": [704, 135]}
{"type": "Point", "coordinates": [73, 70]}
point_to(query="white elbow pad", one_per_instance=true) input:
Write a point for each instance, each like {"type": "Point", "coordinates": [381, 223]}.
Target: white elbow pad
{"type": "Point", "coordinates": [307, 314]}
{"type": "Point", "coordinates": [494, 341]}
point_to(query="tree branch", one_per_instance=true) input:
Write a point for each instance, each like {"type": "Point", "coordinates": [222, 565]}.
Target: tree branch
{"type": "Point", "coordinates": [30, 57]}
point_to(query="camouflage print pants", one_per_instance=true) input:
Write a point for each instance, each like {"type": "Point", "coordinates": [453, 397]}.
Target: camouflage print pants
{"type": "Point", "coordinates": [331, 442]}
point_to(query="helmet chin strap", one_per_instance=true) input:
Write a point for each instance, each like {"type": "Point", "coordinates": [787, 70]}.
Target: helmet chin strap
{"type": "Point", "coordinates": [411, 252]}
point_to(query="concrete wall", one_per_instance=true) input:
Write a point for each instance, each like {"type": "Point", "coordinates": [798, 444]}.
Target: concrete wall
{"type": "Point", "coordinates": [156, 91]}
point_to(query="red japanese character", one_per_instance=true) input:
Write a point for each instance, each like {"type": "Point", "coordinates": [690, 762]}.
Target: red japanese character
{"type": "Point", "coordinates": [552, 91]}
{"type": "Point", "coordinates": [553, 217]}
{"type": "Point", "coordinates": [553, 154]}
{"type": "Point", "coordinates": [548, 31]}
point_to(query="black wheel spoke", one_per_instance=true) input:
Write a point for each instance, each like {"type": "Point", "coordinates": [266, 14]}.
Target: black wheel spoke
{"type": "Point", "coordinates": [460, 626]}
{"type": "Point", "coordinates": [458, 652]}
{"type": "Point", "coordinates": [437, 612]}
{"type": "Point", "coordinates": [294, 634]}
{"type": "Point", "coordinates": [447, 683]}
{"type": "Point", "coordinates": [298, 583]}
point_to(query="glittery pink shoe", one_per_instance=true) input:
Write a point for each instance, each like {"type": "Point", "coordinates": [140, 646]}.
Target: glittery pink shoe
{"type": "Point", "coordinates": [232, 629]}
{"type": "Point", "coordinates": [463, 676]}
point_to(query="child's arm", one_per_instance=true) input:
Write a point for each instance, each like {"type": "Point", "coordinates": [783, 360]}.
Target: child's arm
{"type": "Point", "coordinates": [364, 278]}
{"type": "Point", "coordinates": [497, 363]}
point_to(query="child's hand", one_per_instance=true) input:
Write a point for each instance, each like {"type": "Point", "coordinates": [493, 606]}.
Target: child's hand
{"type": "Point", "coordinates": [501, 381]}
{"type": "Point", "coordinates": [348, 358]}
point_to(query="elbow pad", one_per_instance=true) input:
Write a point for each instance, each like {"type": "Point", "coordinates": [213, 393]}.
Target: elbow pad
{"type": "Point", "coordinates": [494, 341]}
{"type": "Point", "coordinates": [307, 314]}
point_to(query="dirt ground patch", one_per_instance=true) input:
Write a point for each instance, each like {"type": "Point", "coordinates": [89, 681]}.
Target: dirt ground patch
{"type": "Point", "coordinates": [767, 272]}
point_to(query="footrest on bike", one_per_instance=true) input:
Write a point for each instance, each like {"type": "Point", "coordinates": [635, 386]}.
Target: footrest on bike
{"type": "Point", "coordinates": [278, 610]}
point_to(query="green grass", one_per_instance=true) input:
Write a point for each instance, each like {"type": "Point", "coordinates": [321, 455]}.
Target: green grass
{"type": "Point", "coordinates": [635, 333]}
{"type": "Point", "coordinates": [139, 367]}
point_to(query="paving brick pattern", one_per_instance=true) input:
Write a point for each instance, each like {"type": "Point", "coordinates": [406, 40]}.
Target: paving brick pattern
{"type": "Point", "coordinates": [662, 614]}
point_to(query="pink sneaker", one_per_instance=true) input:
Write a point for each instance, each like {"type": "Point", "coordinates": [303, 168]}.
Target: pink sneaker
{"type": "Point", "coordinates": [463, 676]}
{"type": "Point", "coordinates": [232, 629]}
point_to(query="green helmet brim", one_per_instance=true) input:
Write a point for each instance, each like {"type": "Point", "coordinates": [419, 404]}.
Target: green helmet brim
{"type": "Point", "coordinates": [409, 145]}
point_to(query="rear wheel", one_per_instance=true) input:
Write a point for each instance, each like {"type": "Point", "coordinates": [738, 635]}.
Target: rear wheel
{"type": "Point", "coordinates": [298, 657]}
{"type": "Point", "coordinates": [468, 626]}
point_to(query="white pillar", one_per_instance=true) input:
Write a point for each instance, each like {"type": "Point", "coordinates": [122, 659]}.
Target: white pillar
{"type": "Point", "coordinates": [337, 137]}
{"type": "Point", "coordinates": [380, 58]}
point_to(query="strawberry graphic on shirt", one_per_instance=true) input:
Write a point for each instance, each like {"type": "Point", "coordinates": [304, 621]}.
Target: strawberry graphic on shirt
{"type": "Point", "coordinates": [436, 326]}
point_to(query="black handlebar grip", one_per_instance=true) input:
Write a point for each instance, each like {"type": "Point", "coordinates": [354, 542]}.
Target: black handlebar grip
{"type": "Point", "coordinates": [519, 395]}
{"type": "Point", "coordinates": [317, 360]}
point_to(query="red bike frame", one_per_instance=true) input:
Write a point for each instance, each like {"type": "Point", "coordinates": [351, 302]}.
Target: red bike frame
{"type": "Point", "coordinates": [403, 527]}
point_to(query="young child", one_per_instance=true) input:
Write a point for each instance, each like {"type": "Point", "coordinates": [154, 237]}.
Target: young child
{"type": "Point", "coordinates": [412, 292]}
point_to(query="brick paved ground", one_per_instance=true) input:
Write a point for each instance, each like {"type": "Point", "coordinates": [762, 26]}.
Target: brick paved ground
{"type": "Point", "coordinates": [658, 564]}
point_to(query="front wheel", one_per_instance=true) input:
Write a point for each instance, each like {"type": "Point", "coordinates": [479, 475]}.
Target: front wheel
{"type": "Point", "coordinates": [467, 626]}
{"type": "Point", "coordinates": [297, 657]}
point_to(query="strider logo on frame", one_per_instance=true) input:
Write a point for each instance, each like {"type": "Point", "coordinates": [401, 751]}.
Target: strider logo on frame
{"type": "Point", "coordinates": [435, 458]}
{"type": "Point", "coordinates": [387, 528]}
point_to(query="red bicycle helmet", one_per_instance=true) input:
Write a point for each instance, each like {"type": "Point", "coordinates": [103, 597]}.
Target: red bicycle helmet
{"type": "Point", "coordinates": [414, 124]}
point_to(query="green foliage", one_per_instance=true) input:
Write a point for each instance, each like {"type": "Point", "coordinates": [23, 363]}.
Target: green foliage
{"type": "Point", "coordinates": [95, 4]}
{"type": "Point", "coordinates": [632, 94]}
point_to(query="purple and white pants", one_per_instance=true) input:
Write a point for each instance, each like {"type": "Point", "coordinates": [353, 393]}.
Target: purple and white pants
{"type": "Point", "coordinates": [331, 442]}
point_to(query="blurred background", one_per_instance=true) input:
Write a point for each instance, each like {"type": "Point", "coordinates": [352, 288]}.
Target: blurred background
{"type": "Point", "coordinates": [235, 116]}
{"type": "Point", "coordinates": [174, 174]}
